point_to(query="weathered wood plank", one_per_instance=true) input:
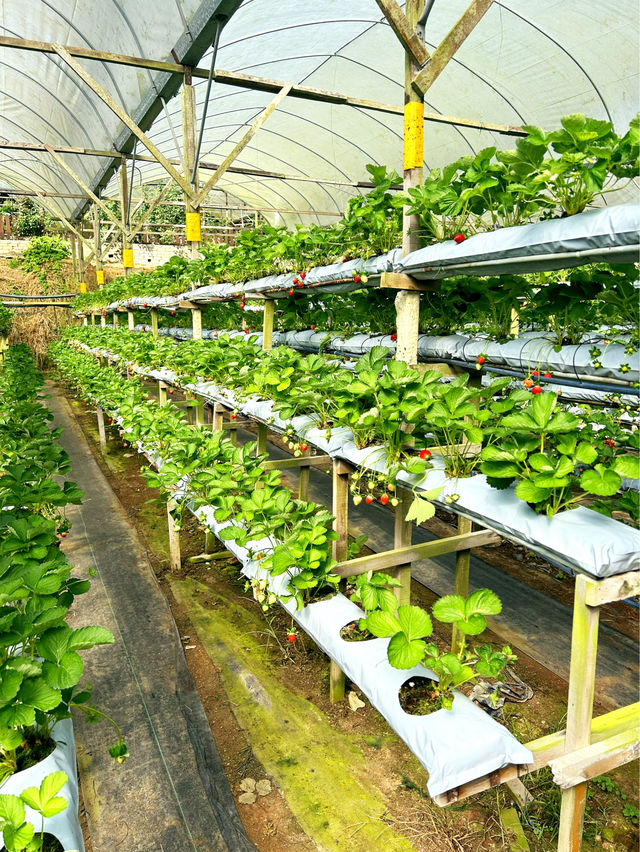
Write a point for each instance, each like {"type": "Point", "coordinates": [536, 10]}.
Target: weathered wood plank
{"type": "Point", "coordinates": [612, 589]}
{"type": "Point", "coordinates": [596, 759]}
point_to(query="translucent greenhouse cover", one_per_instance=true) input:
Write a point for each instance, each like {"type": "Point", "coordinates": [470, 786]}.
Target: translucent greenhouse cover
{"type": "Point", "coordinates": [524, 63]}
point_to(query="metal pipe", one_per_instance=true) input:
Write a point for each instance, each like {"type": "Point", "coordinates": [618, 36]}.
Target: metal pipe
{"type": "Point", "coordinates": [422, 20]}
{"type": "Point", "coordinates": [220, 22]}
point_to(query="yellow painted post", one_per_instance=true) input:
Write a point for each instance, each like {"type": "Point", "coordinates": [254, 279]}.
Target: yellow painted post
{"type": "Point", "coordinates": [582, 674]}
{"type": "Point", "coordinates": [189, 144]}
{"type": "Point", "coordinates": [408, 301]}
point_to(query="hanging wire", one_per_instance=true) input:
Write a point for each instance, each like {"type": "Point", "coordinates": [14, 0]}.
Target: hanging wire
{"type": "Point", "coordinates": [220, 22]}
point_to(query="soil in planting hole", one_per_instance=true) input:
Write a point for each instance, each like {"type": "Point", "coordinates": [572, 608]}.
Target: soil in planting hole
{"type": "Point", "coordinates": [418, 696]}
{"type": "Point", "coordinates": [353, 633]}
{"type": "Point", "coordinates": [34, 749]}
{"type": "Point", "coordinates": [473, 826]}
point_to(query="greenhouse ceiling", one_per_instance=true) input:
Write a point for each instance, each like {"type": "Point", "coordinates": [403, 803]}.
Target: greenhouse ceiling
{"type": "Point", "coordinates": [523, 63]}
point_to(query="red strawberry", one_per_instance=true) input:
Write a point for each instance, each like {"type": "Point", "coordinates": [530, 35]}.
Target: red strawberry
{"type": "Point", "coordinates": [295, 280]}
{"type": "Point", "coordinates": [291, 292]}
{"type": "Point", "coordinates": [384, 499]}
{"type": "Point", "coordinates": [424, 454]}
{"type": "Point", "coordinates": [369, 499]}
{"type": "Point", "coordinates": [459, 238]}
{"type": "Point", "coordinates": [394, 336]}
{"type": "Point", "coordinates": [291, 636]}
{"type": "Point", "coordinates": [547, 375]}
{"type": "Point", "coordinates": [300, 283]}
{"type": "Point", "coordinates": [528, 383]}
{"type": "Point", "coordinates": [312, 327]}
{"type": "Point", "coordinates": [303, 275]}
{"type": "Point", "coordinates": [63, 535]}
{"type": "Point", "coordinates": [304, 447]}
{"type": "Point", "coordinates": [480, 359]}
{"type": "Point", "coordinates": [233, 415]}
{"type": "Point", "coordinates": [357, 278]}
{"type": "Point", "coordinates": [536, 389]}
{"type": "Point", "coordinates": [609, 442]}
{"type": "Point", "coordinates": [535, 373]}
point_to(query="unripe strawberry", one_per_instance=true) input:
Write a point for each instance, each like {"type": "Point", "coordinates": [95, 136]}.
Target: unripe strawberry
{"type": "Point", "coordinates": [394, 502]}
{"type": "Point", "coordinates": [528, 383]}
{"type": "Point", "coordinates": [357, 499]}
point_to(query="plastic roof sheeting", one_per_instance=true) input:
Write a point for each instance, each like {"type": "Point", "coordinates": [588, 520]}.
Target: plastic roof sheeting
{"type": "Point", "coordinates": [523, 63]}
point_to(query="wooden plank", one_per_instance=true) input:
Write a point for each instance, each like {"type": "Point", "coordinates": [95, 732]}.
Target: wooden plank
{"type": "Point", "coordinates": [545, 749]}
{"type": "Point", "coordinates": [302, 461]}
{"type": "Point", "coordinates": [199, 197]}
{"type": "Point", "coordinates": [617, 588]}
{"type": "Point", "coordinates": [449, 45]}
{"type": "Point", "coordinates": [261, 442]}
{"type": "Point", "coordinates": [582, 674]}
{"type": "Point", "coordinates": [586, 763]}
{"type": "Point", "coordinates": [515, 836]}
{"type": "Point", "coordinates": [463, 561]}
{"type": "Point", "coordinates": [102, 436]}
{"type": "Point", "coordinates": [154, 322]}
{"type": "Point", "coordinates": [400, 281]}
{"type": "Point", "coordinates": [411, 553]}
{"type": "Point", "coordinates": [303, 478]}
{"type": "Point", "coordinates": [405, 30]}
{"type": "Point", "coordinates": [64, 54]}
{"type": "Point", "coordinates": [131, 320]}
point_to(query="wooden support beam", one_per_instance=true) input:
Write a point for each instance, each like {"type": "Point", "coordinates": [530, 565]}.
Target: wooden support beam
{"type": "Point", "coordinates": [267, 325]}
{"type": "Point", "coordinates": [617, 588]}
{"type": "Point", "coordinates": [302, 461]}
{"type": "Point", "coordinates": [245, 81]}
{"type": "Point", "coordinates": [64, 54]}
{"type": "Point", "coordinates": [199, 197]}
{"type": "Point", "coordinates": [463, 561]}
{"type": "Point", "coordinates": [582, 675]}
{"type": "Point", "coordinates": [400, 281]}
{"type": "Point", "coordinates": [196, 323]}
{"type": "Point", "coordinates": [103, 320]}
{"type": "Point", "coordinates": [154, 322]}
{"type": "Point", "coordinates": [449, 45]}
{"type": "Point", "coordinates": [162, 393]}
{"type": "Point", "coordinates": [545, 750]}
{"type": "Point", "coordinates": [402, 533]}
{"type": "Point", "coordinates": [131, 321]}
{"type": "Point", "coordinates": [340, 479]}
{"type": "Point", "coordinates": [408, 301]}
{"type": "Point", "coordinates": [405, 31]}
{"type": "Point", "coordinates": [261, 443]}
{"type": "Point", "coordinates": [580, 766]}
{"type": "Point", "coordinates": [411, 553]}
{"type": "Point", "coordinates": [104, 207]}
{"type": "Point", "coordinates": [189, 146]}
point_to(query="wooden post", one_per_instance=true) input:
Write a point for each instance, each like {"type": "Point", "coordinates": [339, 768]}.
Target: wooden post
{"type": "Point", "coordinates": [217, 419]}
{"type": "Point", "coordinates": [582, 674]}
{"type": "Point", "coordinates": [408, 301]}
{"type": "Point", "coordinates": [97, 241]}
{"type": "Point", "coordinates": [85, 319]}
{"type": "Point", "coordinates": [103, 320]}
{"type": "Point", "coordinates": [115, 320]}
{"type": "Point", "coordinates": [267, 325]}
{"type": "Point", "coordinates": [198, 411]}
{"type": "Point", "coordinates": [209, 541]}
{"type": "Point", "coordinates": [261, 443]}
{"type": "Point", "coordinates": [154, 322]}
{"type": "Point", "coordinates": [514, 328]}
{"type": "Point", "coordinates": [81, 263]}
{"type": "Point", "coordinates": [303, 480]}
{"type": "Point", "coordinates": [131, 320]}
{"type": "Point", "coordinates": [74, 257]}
{"type": "Point", "coordinates": [402, 533]}
{"type": "Point", "coordinates": [127, 251]}
{"type": "Point", "coordinates": [93, 318]}
{"type": "Point", "coordinates": [340, 475]}
{"type": "Point", "coordinates": [463, 559]}
{"type": "Point", "coordinates": [162, 393]}
{"type": "Point", "coordinates": [174, 540]}
{"type": "Point", "coordinates": [189, 144]}
{"type": "Point", "coordinates": [196, 323]}
{"type": "Point", "coordinates": [101, 430]}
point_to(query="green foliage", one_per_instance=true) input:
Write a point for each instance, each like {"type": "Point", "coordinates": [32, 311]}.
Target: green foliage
{"type": "Point", "coordinates": [6, 321]}
{"type": "Point", "coordinates": [44, 257]}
